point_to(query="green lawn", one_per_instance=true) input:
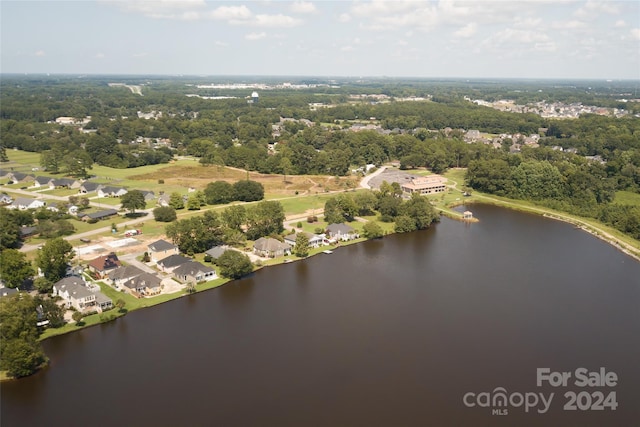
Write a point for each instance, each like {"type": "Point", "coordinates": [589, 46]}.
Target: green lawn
{"type": "Point", "coordinates": [627, 198]}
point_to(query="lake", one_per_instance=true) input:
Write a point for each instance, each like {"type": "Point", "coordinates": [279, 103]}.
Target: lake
{"type": "Point", "coordinates": [408, 330]}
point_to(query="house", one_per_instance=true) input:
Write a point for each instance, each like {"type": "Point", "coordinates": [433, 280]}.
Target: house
{"type": "Point", "coordinates": [65, 183]}
{"type": "Point", "coordinates": [103, 301]}
{"type": "Point", "coordinates": [117, 277]}
{"type": "Point", "coordinates": [315, 240]}
{"type": "Point", "coordinates": [7, 292]}
{"type": "Point", "coordinates": [161, 249]}
{"type": "Point", "coordinates": [18, 177]}
{"type": "Point", "coordinates": [5, 199]}
{"type": "Point", "coordinates": [28, 231]}
{"type": "Point", "coordinates": [24, 203]}
{"type": "Point", "coordinates": [430, 184]}
{"type": "Point", "coordinates": [148, 195]}
{"type": "Point", "coordinates": [43, 181]}
{"type": "Point", "coordinates": [53, 207]}
{"type": "Point", "coordinates": [217, 251]}
{"type": "Point", "coordinates": [104, 264]}
{"type": "Point", "coordinates": [172, 262]}
{"type": "Point", "coordinates": [98, 215]}
{"type": "Point", "coordinates": [145, 284]}
{"type": "Point", "coordinates": [164, 200]}
{"type": "Point", "coordinates": [341, 232]}
{"type": "Point", "coordinates": [270, 247]}
{"type": "Point", "coordinates": [109, 191]}
{"type": "Point", "coordinates": [88, 187]}
{"type": "Point", "coordinates": [193, 271]}
{"type": "Point", "coordinates": [74, 293]}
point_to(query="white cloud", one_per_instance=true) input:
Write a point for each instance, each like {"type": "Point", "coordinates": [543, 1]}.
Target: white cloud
{"type": "Point", "coordinates": [402, 42]}
{"type": "Point", "coordinates": [162, 9]}
{"type": "Point", "coordinates": [569, 25]}
{"type": "Point", "coordinates": [139, 55]}
{"type": "Point", "coordinates": [467, 31]}
{"type": "Point", "coordinates": [594, 8]}
{"type": "Point", "coordinates": [39, 53]}
{"type": "Point", "coordinates": [99, 55]}
{"type": "Point", "coordinates": [255, 36]}
{"type": "Point", "coordinates": [220, 43]}
{"type": "Point", "coordinates": [229, 13]}
{"type": "Point", "coordinates": [303, 7]}
{"type": "Point", "coordinates": [635, 33]}
{"type": "Point", "coordinates": [344, 18]}
{"type": "Point", "coordinates": [279, 21]}
{"type": "Point", "coordinates": [620, 23]}
{"type": "Point", "coordinates": [347, 49]}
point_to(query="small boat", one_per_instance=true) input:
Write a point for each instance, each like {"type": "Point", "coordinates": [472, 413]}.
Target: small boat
{"type": "Point", "coordinates": [327, 252]}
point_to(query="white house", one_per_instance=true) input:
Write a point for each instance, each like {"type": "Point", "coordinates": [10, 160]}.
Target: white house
{"type": "Point", "coordinates": [109, 191]}
{"type": "Point", "coordinates": [74, 293]}
{"type": "Point", "coordinates": [341, 232]}
{"type": "Point", "coordinates": [24, 203]}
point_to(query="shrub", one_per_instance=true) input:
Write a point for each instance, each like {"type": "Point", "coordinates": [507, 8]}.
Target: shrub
{"type": "Point", "coordinates": [207, 258]}
{"type": "Point", "coordinates": [161, 181]}
{"type": "Point", "coordinates": [165, 214]}
{"type": "Point", "coordinates": [299, 224]}
{"type": "Point", "coordinates": [311, 219]}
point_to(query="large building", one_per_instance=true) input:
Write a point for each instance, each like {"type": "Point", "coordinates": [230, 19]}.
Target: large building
{"type": "Point", "coordinates": [425, 185]}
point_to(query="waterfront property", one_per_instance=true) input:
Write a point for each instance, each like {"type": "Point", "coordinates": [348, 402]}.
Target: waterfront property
{"type": "Point", "coordinates": [161, 249]}
{"type": "Point", "coordinates": [75, 293]}
{"type": "Point", "coordinates": [270, 247]}
{"type": "Point", "coordinates": [342, 232]}
{"type": "Point", "coordinates": [217, 251]}
{"type": "Point", "coordinates": [172, 262]}
{"type": "Point", "coordinates": [145, 284]}
{"type": "Point", "coordinates": [315, 240]}
{"type": "Point", "coordinates": [194, 271]}
{"type": "Point", "coordinates": [425, 185]}
{"type": "Point", "coordinates": [117, 277]}
{"type": "Point", "coordinates": [104, 264]}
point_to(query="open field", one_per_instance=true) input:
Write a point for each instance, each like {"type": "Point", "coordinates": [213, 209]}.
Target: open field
{"type": "Point", "coordinates": [627, 198]}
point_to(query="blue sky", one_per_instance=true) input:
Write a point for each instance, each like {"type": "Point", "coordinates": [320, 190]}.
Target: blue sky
{"type": "Point", "coordinates": [445, 38]}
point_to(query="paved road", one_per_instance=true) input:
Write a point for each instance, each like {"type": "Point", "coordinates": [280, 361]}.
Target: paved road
{"type": "Point", "coordinates": [365, 181]}
{"type": "Point", "coordinates": [37, 195]}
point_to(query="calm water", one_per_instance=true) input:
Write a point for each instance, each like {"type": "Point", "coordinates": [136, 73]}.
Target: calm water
{"type": "Point", "coordinates": [386, 333]}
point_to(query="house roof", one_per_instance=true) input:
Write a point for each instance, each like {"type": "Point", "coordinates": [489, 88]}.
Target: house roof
{"type": "Point", "coordinates": [173, 261]}
{"type": "Point", "coordinates": [216, 251]}
{"type": "Point", "coordinates": [5, 292]}
{"type": "Point", "coordinates": [105, 262]}
{"type": "Point", "coordinates": [60, 182]}
{"type": "Point", "coordinates": [270, 244]}
{"type": "Point", "coordinates": [148, 194]}
{"type": "Point", "coordinates": [161, 245]}
{"type": "Point", "coordinates": [339, 228]}
{"type": "Point", "coordinates": [109, 189]}
{"type": "Point", "coordinates": [192, 268]}
{"type": "Point", "coordinates": [74, 285]}
{"type": "Point", "coordinates": [101, 214]}
{"type": "Point", "coordinates": [145, 279]}
{"type": "Point", "coordinates": [23, 201]}
{"type": "Point", "coordinates": [102, 298]}
{"type": "Point", "coordinates": [20, 176]}
{"type": "Point", "coordinates": [125, 272]}
{"type": "Point", "coordinates": [27, 231]}
{"type": "Point", "coordinates": [43, 180]}
{"type": "Point", "coordinates": [90, 186]}
{"type": "Point", "coordinates": [294, 236]}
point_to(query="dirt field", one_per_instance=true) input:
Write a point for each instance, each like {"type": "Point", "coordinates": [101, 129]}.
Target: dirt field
{"type": "Point", "coordinates": [199, 176]}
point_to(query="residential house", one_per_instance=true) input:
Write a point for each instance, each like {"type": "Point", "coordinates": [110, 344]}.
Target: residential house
{"type": "Point", "coordinates": [24, 203]}
{"type": "Point", "coordinates": [172, 262]}
{"type": "Point", "coordinates": [5, 199]}
{"type": "Point", "coordinates": [75, 294]}
{"type": "Point", "coordinates": [43, 182]}
{"type": "Point", "coordinates": [28, 231]}
{"type": "Point", "coordinates": [148, 195]}
{"type": "Point", "coordinates": [270, 247]}
{"type": "Point", "coordinates": [109, 191]}
{"type": "Point", "coordinates": [341, 231]}
{"type": "Point", "coordinates": [98, 215]}
{"type": "Point", "coordinates": [194, 271]}
{"type": "Point", "coordinates": [104, 264]}
{"type": "Point", "coordinates": [103, 302]}
{"type": "Point", "coordinates": [53, 207]}
{"type": "Point", "coordinates": [145, 284]}
{"type": "Point", "coordinates": [315, 240]}
{"type": "Point", "coordinates": [7, 292]}
{"type": "Point", "coordinates": [217, 251]}
{"type": "Point", "coordinates": [88, 187]}
{"type": "Point", "coordinates": [65, 183]}
{"type": "Point", "coordinates": [117, 277]}
{"type": "Point", "coordinates": [164, 200]}
{"type": "Point", "coordinates": [161, 249]}
{"type": "Point", "coordinates": [19, 177]}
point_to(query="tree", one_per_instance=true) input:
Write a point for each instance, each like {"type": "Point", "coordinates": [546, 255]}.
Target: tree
{"type": "Point", "coordinates": [9, 229]}
{"type": "Point", "coordinates": [20, 352]}
{"type": "Point", "coordinates": [164, 214]}
{"type": "Point", "coordinates": [302, 246]}
{"type": "Point", "coordinates": [420, 211]}
{"type": "Point", "coordinates": [133, 200]}
{"type": "Point", "coordinates": [372, 230]}
{"type": "Point", "coordinates": [219, 192]}
{"type": "Point", "coordinates": [339, 209]}
{"type": "Point", "coordinates": [43, 285]}
{"type": "Point", "coordinates": [248, 191]}
{"type": "Point", "coordinates": [196, 234]}
{"type": "Point", "coordinates": [404, 224]}
{"type": "Point", "coordinates": [176, 201]}
{"type": "Point", "coordinates": [264, 219]}
{"type": "Point", "coordinates": [285, 166]}
{"type": "Point", "coordinates": [234, 217]}
{"type": "Point", "coordinates": [195, 201]}
{"type": "Point", "coordinates": [54, 257]}
{"type": "Point", "coordinates": [51, 311]}
{"type": "Point", "coordinates": [77, 317]}
{"type": "Point", "coordinates": [14, 268]}
{"type": "Point", "coordinates": [120, 305]}
{"type": "Point", "coordinates": [234, 264]}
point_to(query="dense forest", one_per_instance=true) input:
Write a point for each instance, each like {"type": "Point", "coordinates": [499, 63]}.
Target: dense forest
{"type": "Point", "coordinates": [359, 122]}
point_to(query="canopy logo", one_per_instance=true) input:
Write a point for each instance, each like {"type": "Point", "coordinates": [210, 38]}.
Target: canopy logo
{"type": "Point", "coordinates": [499, 401]}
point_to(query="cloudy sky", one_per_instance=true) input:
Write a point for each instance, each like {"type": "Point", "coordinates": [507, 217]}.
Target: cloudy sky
{"type": "Point", "coordinates": [440, 38]}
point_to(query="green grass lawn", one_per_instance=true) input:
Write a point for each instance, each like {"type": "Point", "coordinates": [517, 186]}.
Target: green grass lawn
{"type": "Point", "coordinates": [627, 198]}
